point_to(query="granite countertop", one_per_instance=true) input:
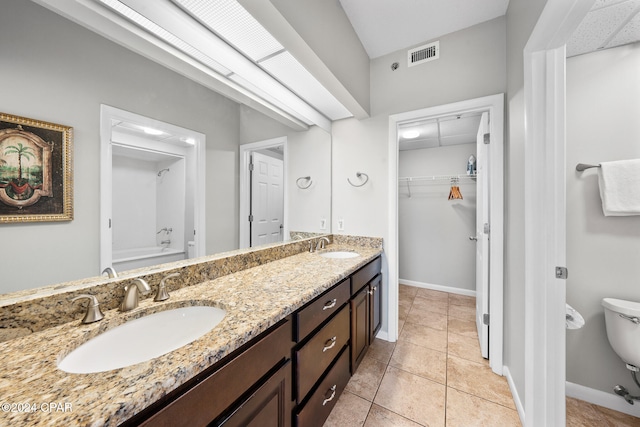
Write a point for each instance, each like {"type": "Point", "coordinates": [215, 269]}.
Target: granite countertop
{"type": "Point", "coordinates": [35, 393]}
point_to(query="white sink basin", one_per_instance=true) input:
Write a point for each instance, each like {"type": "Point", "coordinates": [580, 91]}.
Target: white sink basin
{"type": "Point", "coordinates": [339, 254]}
{"type": "Point", "coordinates": [142, 339]}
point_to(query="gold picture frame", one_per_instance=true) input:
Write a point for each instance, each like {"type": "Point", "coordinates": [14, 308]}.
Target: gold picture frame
{"type": "Point", "coordinates": [36, 182]}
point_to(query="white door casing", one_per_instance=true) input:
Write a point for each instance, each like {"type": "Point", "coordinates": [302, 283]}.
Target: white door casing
{"type": "Point", "coordinates": [494, 104]}
{"type": "Point", "coordinates": [482, 235]}
{"type": "Point", "coordinates": [545, 211]}
{"type": "Point", "coordinates": [245, 186]}
{"type": "Point", "coordinates": [266, 200]}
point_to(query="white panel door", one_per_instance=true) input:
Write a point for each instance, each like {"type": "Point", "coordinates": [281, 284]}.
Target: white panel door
{"type": "Point", "coordinates": [267, 200]}
{"type": "Point", "coordinates": [482, 236]}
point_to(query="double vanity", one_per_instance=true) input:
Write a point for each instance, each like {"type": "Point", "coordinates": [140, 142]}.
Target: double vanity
{"type": "Point", "coordinates": [279, 338]}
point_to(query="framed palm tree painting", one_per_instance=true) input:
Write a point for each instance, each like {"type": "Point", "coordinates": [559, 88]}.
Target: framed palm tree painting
{"type": "Point", "coordinates": [35, 170]}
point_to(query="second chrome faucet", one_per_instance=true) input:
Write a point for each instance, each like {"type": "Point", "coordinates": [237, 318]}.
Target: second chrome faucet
{"type": "Point", "coordinates": [130, 300]}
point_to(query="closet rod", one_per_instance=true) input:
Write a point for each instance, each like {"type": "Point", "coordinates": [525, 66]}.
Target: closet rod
{"type": "Point", "coordinates": [436, 177]}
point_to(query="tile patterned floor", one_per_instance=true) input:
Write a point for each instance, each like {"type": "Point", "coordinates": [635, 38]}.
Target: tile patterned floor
{"type": "Point", "coordinates": [434, 375]}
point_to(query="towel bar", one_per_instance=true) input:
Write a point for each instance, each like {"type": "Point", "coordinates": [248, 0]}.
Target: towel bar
{"type": "Point", "coordinates": [582, 166]}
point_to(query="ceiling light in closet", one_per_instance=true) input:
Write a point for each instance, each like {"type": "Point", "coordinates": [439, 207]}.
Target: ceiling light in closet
{"type": "Point", "coordinates": [410, 134]}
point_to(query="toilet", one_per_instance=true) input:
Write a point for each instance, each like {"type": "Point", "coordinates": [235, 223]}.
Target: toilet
{"type": "Point", "coordinates": [622, 319]}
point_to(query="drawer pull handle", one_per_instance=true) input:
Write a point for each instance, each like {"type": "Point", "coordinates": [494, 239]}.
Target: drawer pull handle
{"type": "Point", "coordinates": [373, 290]}
{"type": "Point", "coordinates": [329, 344]}
{"type": "Point", "coordinates": [329, 304]}
{"type": "Point", "coordinates": [330, 398]}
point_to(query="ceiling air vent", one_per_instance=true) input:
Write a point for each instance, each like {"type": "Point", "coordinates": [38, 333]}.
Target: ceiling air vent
{"type": "Point", "coordinates": [426, 53]}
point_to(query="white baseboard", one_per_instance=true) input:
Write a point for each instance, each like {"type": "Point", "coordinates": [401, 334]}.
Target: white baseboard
{"type": "Point", "coordinates": [601, 398]}
{"type": "Point", "coordinates": [450, 289]}
{"type": "Point", "coordinates": [514, 392]}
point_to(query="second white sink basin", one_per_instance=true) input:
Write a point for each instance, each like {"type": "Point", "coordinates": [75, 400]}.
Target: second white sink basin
{"type": "Point", "coordinates": [339, 254]}
{"type": "Point", "coordinates": [142, 339]}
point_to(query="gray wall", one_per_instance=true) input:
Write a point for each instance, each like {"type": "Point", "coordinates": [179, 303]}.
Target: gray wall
{"type": "Point", "coordinates": [57, 71]}
{"type": "Point", "coordinates": [603, 253]}
{"type": "Point", "coordinates": [433, 232]}
{"type": "Point", "coordinates": [522, 16]}
{"type": "Point", "coordinates": [472, 64]}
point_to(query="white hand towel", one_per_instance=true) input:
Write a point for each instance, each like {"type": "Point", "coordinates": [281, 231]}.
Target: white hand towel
{"type": "Point", "coordinates": [620, 187]}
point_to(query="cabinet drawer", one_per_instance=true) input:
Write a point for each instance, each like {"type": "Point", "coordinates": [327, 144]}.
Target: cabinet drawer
{"type": "Point", "coordinates": [313, 358]}
{"type": "Point", "coordinates": [321, 309]}
{"type": "Point", "coordinates": [364, 275]}
{"type": "Point", "coordinates": [324, 398]}
{"type": "Point", "coordinates": [214, 394]}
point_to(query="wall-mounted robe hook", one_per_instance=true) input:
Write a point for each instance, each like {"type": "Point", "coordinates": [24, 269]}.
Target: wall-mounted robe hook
{"type": "Point", "coordinates": [359, 175]}
{"type": "Point", "coordinates": [304, 178]}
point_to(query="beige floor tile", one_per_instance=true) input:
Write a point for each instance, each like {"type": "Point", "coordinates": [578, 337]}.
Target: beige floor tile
{"type": "Point", "coordinates": [401, 323]}
{"type": "Point", "coordinates": [427, 363]}
{"type": "Point", "coordinates": [427, 318]}
{"type": "Point", "coordinates": [478, 379]}
{"type": "Point", "coordinates": [381, 417]}
{"type": "Point", "coordinates": [406, 299]}
{"type": "Point", "coordinates": [403, 309]}
{"type": "Point", "coordinates": [465, 410]}
{"type": "Point", "coordinates": [432, 295]}
{"type": "Point", "coordinates": [465, 348]}
{"type": "Point", "coordinates": [456, 299]}
{"type": "Point", "coordinates": [413, 397]}
{"type": "Point", "coordinates": [617, 419]}
{"type": "Point", "coordinates": [407, 290]}
{"type": "Point", "coordinates": [583, 414]}
{"type": "Point", "coordinates": [350, 410]}
{"type": "Point", "coordinates": [463, 312]}
{"type": "Point", "coordinates": [434, 305]}
{"type": "Point", "coordinates": [366, 380]}
{"type": "Point", "coordinates": [462, 327]}
{"type": "Point", "coordinates": [381, 350]}
{"type": "Point", "coordinates": [424, 336]}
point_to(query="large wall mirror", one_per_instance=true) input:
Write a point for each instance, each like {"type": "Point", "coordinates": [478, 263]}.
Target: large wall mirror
{"type": "Point", "coordinates": [66, 76]}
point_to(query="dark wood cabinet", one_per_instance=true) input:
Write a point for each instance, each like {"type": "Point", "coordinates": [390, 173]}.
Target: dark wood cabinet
{"type": "Point", "coordinates": [207, 396]}
{"type": "Point", "coordinates": [366, 310]}
{"type": "Point", "coordinates": [375, 307]}
{"type": "Point", "coordinates": [359, 327]}
{"type": "Point", "coordinates": [268, 406]}
{"type": "Point", "coordinates": [293, 373]}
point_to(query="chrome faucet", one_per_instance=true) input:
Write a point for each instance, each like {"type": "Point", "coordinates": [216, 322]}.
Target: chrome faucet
{"type": "Point", "coordinates": [111, 272]}
{"type": "Point", "coordinates": [93, 313]}
{"type": "Point", "coordinates": [321, 242]}
{"type": "Point", "coordinates": [162, 294]}
{"type": "Point", "coordinates": [130, 300]}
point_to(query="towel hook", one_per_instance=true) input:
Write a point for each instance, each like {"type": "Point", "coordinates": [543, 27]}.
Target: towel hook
{"type": "Point", "coordinates": [304, 178]}
{"type": "Point", "coordinates": [359, 175]}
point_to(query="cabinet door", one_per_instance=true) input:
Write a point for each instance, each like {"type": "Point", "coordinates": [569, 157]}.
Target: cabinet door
{"type": "Point", "coordinates": [268, 406]}
{"type": "Point", "coordinates": [359, 327]}
{"type": "Point", "coordinates": [375, 307]}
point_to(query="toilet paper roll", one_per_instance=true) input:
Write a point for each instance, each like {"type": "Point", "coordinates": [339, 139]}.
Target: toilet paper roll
{"type": "Point", "coordinates": [574, 320]}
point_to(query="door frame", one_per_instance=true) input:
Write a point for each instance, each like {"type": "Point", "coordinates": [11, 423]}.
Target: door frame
{"type": "Point", "coordinates": [545, 211]}
{"type": "Point", "coordinates": [495, 105]}
{"type": "Point", "coordinates": [245, 185]}
{"type": "Point", "coordinates": [196, 155]}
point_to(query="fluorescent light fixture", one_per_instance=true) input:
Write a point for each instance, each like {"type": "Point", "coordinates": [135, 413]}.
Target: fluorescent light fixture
{"type": "Point", "coordinates": [163, 34]}
{"type": "Point", "coordinates": [223, 36]}
{"type": "Point", "coordinates": [151, 131]}
{"type": "Point", "coordinates": [410, 134]}
{"type": "Point", "coordinates": [232, 22]}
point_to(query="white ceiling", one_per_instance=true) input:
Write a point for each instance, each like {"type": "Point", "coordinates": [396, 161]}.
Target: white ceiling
{"type": "Point", "coordinates": [608, 24]}
{"type": "Point", "coordinates": [440, 132]}
{"type": "Point", "coordinates": [385, 26]}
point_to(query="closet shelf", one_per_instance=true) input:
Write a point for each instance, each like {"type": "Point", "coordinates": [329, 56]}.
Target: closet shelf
{"type": "Point", "coordinates": [438, 178]}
